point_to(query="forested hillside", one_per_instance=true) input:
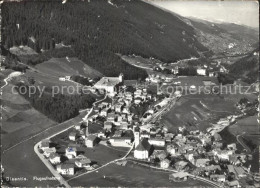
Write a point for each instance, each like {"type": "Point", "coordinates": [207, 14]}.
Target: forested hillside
{"type": "Point", "coordinates": [59, 107]}
{"type": "Point", "coordinates": [247, 67]}
{"type": "Point", "coordinates": [97, 30]}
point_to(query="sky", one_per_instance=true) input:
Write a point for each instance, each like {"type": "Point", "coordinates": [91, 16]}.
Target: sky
{"type": "Point", "coordinates": [239, 12]}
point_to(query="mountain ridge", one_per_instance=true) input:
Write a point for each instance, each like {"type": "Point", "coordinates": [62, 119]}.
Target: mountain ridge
{"type": "Point", "coordinates": [97, 30]}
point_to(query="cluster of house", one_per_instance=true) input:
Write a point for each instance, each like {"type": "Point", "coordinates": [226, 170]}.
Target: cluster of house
{"type": "Point", "coordinates": [117, 117]}
{"type": "Point", "coordinates": [160, 77]}
{"type": "Point", "coordinates": [202, 153]}
{"type": "Point", "coordinates": [245, 106]}
{"type": "Point", "coordinates": [117, 122]}
{"type": "Point", "coordinates": [67, 163]}
{"type": "Point", "coordinates": [210, 70]}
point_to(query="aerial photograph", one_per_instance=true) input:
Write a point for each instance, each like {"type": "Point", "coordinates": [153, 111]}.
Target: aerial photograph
{"type": "Point", "coordinates": [129, 93]}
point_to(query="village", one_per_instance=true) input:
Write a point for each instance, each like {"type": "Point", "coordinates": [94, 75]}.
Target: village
{"type": "Point", "coordinates": [189, 154]}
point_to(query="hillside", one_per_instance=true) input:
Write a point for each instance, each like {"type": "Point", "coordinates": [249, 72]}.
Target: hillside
{"type": "Point", "coordinates": [97, 30]}
{"type": "Point", "coordinates": [247, 68]}
{"type": "Point", "coordinates": [197, 112]}
{"type": "Point", "coordinates": [224, 38]}
{"type": "Point", "coordinates": [66, 67]}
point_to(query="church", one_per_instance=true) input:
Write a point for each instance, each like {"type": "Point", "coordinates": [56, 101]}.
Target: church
{"type": "Point", "coordinates": [109, 84]}
{"type": "Point", "coordinates": [142, 147]}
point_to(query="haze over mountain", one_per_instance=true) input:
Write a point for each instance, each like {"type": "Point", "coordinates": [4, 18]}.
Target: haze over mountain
{"type": "Point", "coordinates": [230, 11]}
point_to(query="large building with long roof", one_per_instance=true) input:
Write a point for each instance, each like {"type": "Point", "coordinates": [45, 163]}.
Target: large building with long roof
{"type": "Point", "coordinates": [109, 84]}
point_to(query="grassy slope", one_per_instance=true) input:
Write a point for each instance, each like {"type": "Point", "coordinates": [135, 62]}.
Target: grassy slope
{"type": "Point", "coordinates": [248, 125]}
{"type": "Point", "coordinates": [63, 67]}
{"type": "Point", "coordinates": [247, 67]}
{"type": "Point", "coordinates": [131, 176]}
{"type": "Point", "coordinates": [197, 111]}
{"type": "Point", "coordinates": [19, 118]}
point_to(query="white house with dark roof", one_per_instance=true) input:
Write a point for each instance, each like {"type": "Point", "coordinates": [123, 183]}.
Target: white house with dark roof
{"type": "Point", "coordinates": [78, 126]}
{"type": "Point", "coordinates": [179, 176]}
{"type": "Point", "coordinates": [45, 144]}
{"type": "Point", "coordinates": [91, 141]}
{"type": "Point", "coordinates": [172, 149]}
{"type": "Point", "coordinates": [66, 169]}
{"type": "Point", "coordinates": [111, 117]}
{"type": "Point", "coordinates": [165, 163]}
{"type": "Point", "coordinates": [218, 178]}
{"type": "Point", "coordinates": [201, 162]}
{"type": "Point", "coordinates": [83, 163]}
{"type": "Point", "coordinates": [72, 136]}
{"type": "Point", "coordinates": [108, 125]}
{"type": "Point", "coordinates": [201, 71]}
{"type": "Point", "coordinates": [157, 142]}
{"type": "Point", "coordinates": [121, 141]}
{"type": "Point", "coordinates": [71, 152]}
{"type": "Point", "coordinates": [54, 158]}
{"type": "Point", "coordinates": [49, 151]}
{"type": "Point", "coordinates": [104, 112]}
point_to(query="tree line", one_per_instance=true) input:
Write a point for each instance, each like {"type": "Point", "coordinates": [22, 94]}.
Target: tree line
{"type": "Point", "coordinates": [59, 107]}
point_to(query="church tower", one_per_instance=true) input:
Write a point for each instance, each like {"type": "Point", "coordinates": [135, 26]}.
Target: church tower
{"type": "Point", "coordinates": [87, 133]}
{"type": "Point", "coordinates": [121, 77]}
{"type": "Point", "coordinates": [136, 131]}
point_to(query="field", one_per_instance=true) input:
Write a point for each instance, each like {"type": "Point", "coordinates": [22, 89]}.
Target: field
{"type": "Point", "coordinates": [20, 119]}
{"type": "Point", "coordinates": [21, 161]}
{"type": "Point", "coordinates": [100, 154]}
{"type": "Point", "coordinates": [248, 125]}
{"type": "Point", "coordinates": [141, 62]}
{"type": "Point", "coordinates": [58, 67]}
{"type": "Point", "coordinates": [22, 127]}
{"type": "Point", "coordinates": [47, 74]}
{"type": "Point", "coordinates": [197, 112]}
{"type": "Point", "coordinates": [249, 129]}
{"type": "Point", "coordinates": [22, 50]}
{"type": "Point", "coordinates": [130, 176]}
{"type": "Point", "coordinates": [194, 80]}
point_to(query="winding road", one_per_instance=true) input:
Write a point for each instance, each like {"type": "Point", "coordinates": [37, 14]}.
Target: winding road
{"type": "Point", "coordinates": [240, 141]}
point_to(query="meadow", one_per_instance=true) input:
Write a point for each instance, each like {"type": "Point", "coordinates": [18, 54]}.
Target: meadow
{"type": "Point", "coordinates": [197, 112]}
{"type": "Point", "coordinates": [130, 175]}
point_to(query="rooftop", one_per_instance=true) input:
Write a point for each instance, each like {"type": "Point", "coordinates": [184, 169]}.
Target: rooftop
{"type": "Point", "coordinates": [108, 81]}
{"type": "Point", "coordinates": [180, 175]}
{"type": "Point", "coordinates": [85, 161]}
{"type": "Point", "coordinates": [91, 137]}
{"type": "Point", "coordinates": [66, 166]}
{"type": "Point", "coordinates": [143, 145]}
